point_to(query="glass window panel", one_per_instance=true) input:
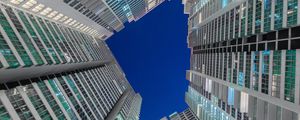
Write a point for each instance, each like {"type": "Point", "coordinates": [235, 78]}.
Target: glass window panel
{"type": "Point", "coordinates": [34, 37]}
{"type": "Point", "coordinates": [24, 36]}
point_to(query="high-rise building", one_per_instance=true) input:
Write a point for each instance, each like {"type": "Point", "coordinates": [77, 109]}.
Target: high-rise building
{"type": "Point", "coordinates": [55, 64]}
{"type": "Point", "coordinates": [245, 59]}
{"type": "Point", "coordinates": [187, 114]}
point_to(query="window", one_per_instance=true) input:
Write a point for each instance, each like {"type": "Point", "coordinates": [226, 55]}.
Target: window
{"type": "Point", "coordinates": [278, 15]}
{"type": "Point", "coordinates": [51, 101]}
{"type": "Point", "coordinates": [16, 43]}
{"type": "Point", "coordinates": [265, 72]}
{"type": "Point", "coordinates": [276, 77]}
{"type": "Point", "coordinates": [267, 15]}
{"type": "Point", "coordinates": [255, 70]}
{"type": "Point", "coordinates": [250, 17]}
{"type": "Point", "coordinates": [258, 16]}
{"type": "Point", "coordinates": [292, 12]}
{"type": "Point", "coordinates": [289, 85]}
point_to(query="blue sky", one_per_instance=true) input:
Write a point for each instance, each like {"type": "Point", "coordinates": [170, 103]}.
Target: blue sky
{"type": "Point", "coordinates": [154, 56]}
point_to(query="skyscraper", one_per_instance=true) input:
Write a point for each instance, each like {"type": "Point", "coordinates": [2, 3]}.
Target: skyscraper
{"type": "Point", "coordinates": [55, 64]}
{"type": "Point", "coordinates": [187, 114]}
{"type": "Point", "coordinates": [245, 59]}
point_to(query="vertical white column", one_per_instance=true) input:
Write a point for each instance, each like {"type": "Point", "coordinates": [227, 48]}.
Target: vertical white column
{"type": "Point", "coordinates": [253, 18]}
{"type": "Point", "coordinates": [272, 14]}
{"type": "Point", "coordinates": [282, 81]}
{"type": "Point", "coordinates": [260, 71]}
{"type": "Point", "coordinates": [244, 68]}
{"type": "Point", "coordinates": [270, 73]}
{"type": "Point", "coordinates": [22, 91]}
{"type": "Point", "coordinates": [237, 61]}
{"type": "Point", "coordinates": [284, 18]}
{"type": "Point", "coordinates": [241, 12]}
{"type": "Point", "coordinates": [251, 70]}
{"type": "Point", "coordinates": [246, 20]}
{"type": "Point", "coordinates": [8, 106]}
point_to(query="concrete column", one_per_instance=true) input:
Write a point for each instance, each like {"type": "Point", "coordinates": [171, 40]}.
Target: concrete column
{"type": "Point", "coordinates": [272, 14]}
{"type": "Point", "coordinates": [270, 73]}
{"type": "Point", "coordinates": [282, 82]}
{"type": "Point", "coordinates": [8, 106]}
{"type": "Point", "coordinates": [284, 17]}
{"type": "Point", "coordinates": [260, 71]}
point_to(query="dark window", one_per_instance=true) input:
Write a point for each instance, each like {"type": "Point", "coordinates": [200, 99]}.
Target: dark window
{"type": "Point", "coordinates": [240, 41]}
{"type": "Point", "coordinates": [251, 39]}
{"type": "Point", "coordinates": [234, 49]}
{"type": "Point", "coordinates": [283, 45]}
{"type": "Point", "coordinates": [261, 46]}
{"type": "Point", "coordinates": [233, 42]}
{"type": "Point", "coordinates": [295, 44]}
{"type": "Point", "coordinates": [246, 48]}
{"type": "Point", "coordinates": [239, 48]}
{"type": "Point", "coordinates": [2, 87]}
{"type": "Point", "coordinates": [12, 85]}
{"type": "Point", "coordinates": [253, 47]}
{"type": "Point", "coordinates": [282, 34]}
{"type": "Point", "coordinates": [224, 43]}
{"type": "Point", "coordinates": [229, 49]}
{"type": "Point", "coordinates": [296, 31]}
{"type": "Point", "coordinates": [269, 36]}
{"type": "Point", "coordinates": [224, 49]}
{"type": "Point", "coordinates": [271, 46]}
{"type": "Point", "coordinates": [25, 82]}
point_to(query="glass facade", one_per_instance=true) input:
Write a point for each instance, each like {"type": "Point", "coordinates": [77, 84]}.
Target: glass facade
{"type": "Point", "coordinates": [265, 72]}
{"type": "Point", "coordinates": [24, 35]}
{"type": "Point", "coordinates": [19, 104]}
{"type": "Point", "coordinates": [3, 112]}
{"type": "Point", "coordinates": [62, 99]}
{"type": "Point", "coordinates": [37, 102]}
{"type": "Point", "coordinates": [276, 78]}
{"type": "Point", "coordinates": [64, 69]}
{"type": "Point", "coordinates": [51, 101]}
{"type": "Point", "coordinates": [289, 84]}
{"type": "Point", "coordinates": [258, 14]}
{"type": "Point", "coordinates": [278, 15]}
{"type": "Point", "coordinates": [255, 49]}
{"type": "Point", "coordinates": [16, 43]}
{"type": "Point", "coordinates": [267, 15]}
{"type": "Point", "coordinates": [35, 38]}
{"type": "Point", "coordinates": [292, 11]}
